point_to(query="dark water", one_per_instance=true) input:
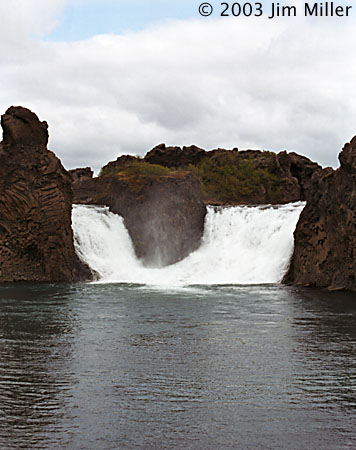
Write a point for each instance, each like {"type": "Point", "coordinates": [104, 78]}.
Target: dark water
{"type": "Point", "coordinates": [113, 366]}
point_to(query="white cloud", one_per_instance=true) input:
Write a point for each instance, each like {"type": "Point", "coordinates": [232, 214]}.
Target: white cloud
{"type": "Point", "coordinates": [19, 18]}
{"type": "Point", "coordinates": [251, 84]}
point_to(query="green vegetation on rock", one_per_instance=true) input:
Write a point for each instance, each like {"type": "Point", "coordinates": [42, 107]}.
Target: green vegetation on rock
{"type": "Point", "coordinates": [228, 178]}
{"type": "Point", "coordinates": [137, 169]}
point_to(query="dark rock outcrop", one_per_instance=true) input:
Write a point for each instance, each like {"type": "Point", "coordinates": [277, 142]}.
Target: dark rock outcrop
{"type": "Point", "coordinates": [295, 172]}
{"type": "Point", "coordinates": [164, 215]}
{"type": "Point", "coordinates": [263, 177]}
{"type": "Point", "coordinates": [36, 239]}
{"type": "Point", "coordinates": [325, 237]}
{"type": "Point", "coordinates": [120, 162]}
{"type": "Point", "coordinates": [176, 157]}
{"type": "Point", "coordinates": [81, 173]}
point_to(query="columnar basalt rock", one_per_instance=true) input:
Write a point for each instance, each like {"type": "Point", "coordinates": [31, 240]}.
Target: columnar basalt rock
{"type": "Point", "coordinates": [325, 237]}
{"type": "Point", "coordinates": [36, 239]}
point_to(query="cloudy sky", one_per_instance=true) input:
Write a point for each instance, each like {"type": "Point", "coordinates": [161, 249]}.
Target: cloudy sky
{"type": "Point", "coordinates": [120, 76]}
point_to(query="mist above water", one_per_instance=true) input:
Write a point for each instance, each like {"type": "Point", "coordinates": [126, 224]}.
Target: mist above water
{"type": "Point", "coordinates": [240, 245]}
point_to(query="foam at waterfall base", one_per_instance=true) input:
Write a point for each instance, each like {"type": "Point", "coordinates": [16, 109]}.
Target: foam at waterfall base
{"type": "Point", "coordinates": [241, 245]}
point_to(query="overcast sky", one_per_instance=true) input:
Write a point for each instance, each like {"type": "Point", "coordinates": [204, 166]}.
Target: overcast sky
{"type": "Point", "coordinates": [120, 76]}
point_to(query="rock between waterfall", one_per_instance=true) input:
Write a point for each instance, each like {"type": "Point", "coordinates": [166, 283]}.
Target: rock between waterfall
{"type": "Point", "coordinates": [164, 216]}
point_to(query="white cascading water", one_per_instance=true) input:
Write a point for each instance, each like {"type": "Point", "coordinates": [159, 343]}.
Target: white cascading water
{"type": "Point", "coordinates": [241, 245]}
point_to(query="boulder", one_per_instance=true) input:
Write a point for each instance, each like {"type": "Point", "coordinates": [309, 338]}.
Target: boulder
{"type": "Point", "coordinates": [36, 239]}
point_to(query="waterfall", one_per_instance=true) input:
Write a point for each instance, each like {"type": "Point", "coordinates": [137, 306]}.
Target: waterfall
{"type": "Point", "coordinates": [240, 245]}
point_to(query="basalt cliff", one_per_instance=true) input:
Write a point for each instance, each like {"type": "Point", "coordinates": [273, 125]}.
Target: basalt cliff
{"type": "Point", "coordinates": [36, 238]}
{"type": "Point", "coordinates": [325, 237]}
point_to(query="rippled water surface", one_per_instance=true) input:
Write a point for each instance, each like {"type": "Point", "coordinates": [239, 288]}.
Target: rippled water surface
{"type": "Point", "coordinates": [117, 366]}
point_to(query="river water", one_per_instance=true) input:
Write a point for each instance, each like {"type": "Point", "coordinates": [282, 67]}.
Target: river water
{"type": "Point", "coordinates": [209, 353]}
{"type": "Point", "coordinates": [111, 366]}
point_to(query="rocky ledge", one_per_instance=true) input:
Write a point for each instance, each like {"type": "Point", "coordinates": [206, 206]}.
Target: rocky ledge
{"type": "Point", "coordinates": [325, 237]}
{"type": "Point", "coordinates": [36, 239]}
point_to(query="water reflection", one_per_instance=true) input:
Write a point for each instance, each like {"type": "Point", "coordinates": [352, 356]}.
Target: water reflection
{"type": "Point", "coordinates": [325, 325]}
{"type": "Point", "coordinates": [219, 358]}
{"type": "Point", "coordinates": [34, 350]}
{"type": "Point", "coordinates": [118, 366]}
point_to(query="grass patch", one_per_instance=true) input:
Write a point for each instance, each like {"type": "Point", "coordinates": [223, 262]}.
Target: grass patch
{"type": "Point", "coordinates": [229, 178]}
{"type": "Point", "coordinates": [137, 169]}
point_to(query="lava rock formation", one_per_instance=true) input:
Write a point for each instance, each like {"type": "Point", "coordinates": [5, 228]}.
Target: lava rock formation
{"type": "Point", "coordinates": [36, 238]}
{"type": "Point", "coordinates": [164, 215]}
{"type": "Point", "coordinates": [325, 237]}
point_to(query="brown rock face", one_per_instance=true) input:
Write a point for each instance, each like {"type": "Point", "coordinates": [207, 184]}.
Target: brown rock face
{"type": "Point", "coordinates": [80, 174]}
{"type": "Point", "coordinates": [175, 156]}
{"type": "Point", "coordinates": [296, 173]}
{"type": "Point", "coordinates": [36, 239]}
{"type": "Point", "coordinates": [22, 127]}
{"type": "Point", "coordinates": [164, 215]}
{"type": "Point", "coordinates": [325, 237]}
{"type": "Point", "coordinates": [347, 157]}
{"type": "Point", "coordinates": [120, 162]}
